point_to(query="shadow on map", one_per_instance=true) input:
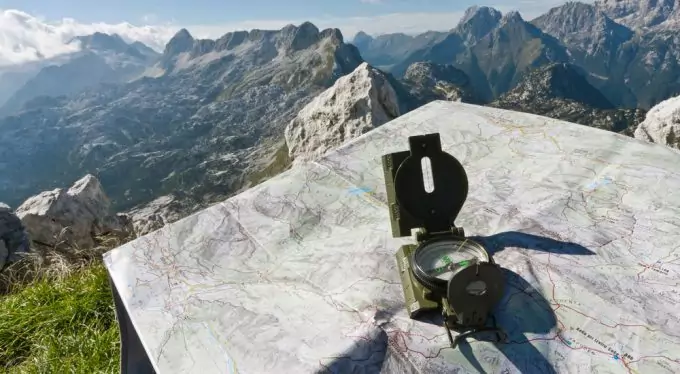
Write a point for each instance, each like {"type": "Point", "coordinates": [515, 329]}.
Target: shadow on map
{"type": "Point", "coordinates": [515, 239]}
{"type": "Point", "coordinates": [522, 311]}
{"type": "Point", "coordinates": [368, 354]}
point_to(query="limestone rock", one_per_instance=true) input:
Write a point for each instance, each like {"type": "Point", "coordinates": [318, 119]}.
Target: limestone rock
{"type": "Point", "coordinates": [74, 216]}
{"type": "Point", "coordinates": [662, 124]}
{"type": "Point", "coordinates": [354, 105]}
{"type": "Point", "coordinates": [156, 214]}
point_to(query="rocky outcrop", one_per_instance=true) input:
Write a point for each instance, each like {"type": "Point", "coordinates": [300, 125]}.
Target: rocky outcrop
{"type": "Point", "coordinates": [158, 213]}
{"type": "Point", "coordinates": [427, 82]}
{"type": "Point", "coordinates": [13, 237]}
{"type": "Point", "coordinates": [561, 91]}
{"type": "Point", "coordinates": [355, 104]}
{"type": "Point", "coordinates": [662, 124]}
{"type": "Point", "coordinates": [73, 217]}
{"type": "Point", "coordinates": [643, 14]}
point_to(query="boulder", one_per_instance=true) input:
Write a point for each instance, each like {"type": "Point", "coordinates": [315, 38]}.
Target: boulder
{"type": "Point", "coordinates": [662, 124]}
{"type": "Point", "coordinates": [13, 237]}
{"type": "Point", "coordinates": [354, 105]}
{"type": "Point", "coordinates": [73, 217]}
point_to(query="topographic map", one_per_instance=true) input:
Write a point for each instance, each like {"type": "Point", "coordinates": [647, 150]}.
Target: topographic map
{"type": "Point", "coordinates": [298, 274]}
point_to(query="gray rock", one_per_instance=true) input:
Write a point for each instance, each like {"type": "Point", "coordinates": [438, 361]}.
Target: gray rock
{"type": "Point", "coordinates": [158, 213]}
{"type": "Point", "coordinates": [662, 124]}
{"type": "Point", "coordinates": [13, 236]}
{"type": "Point", "coordinates": [4, 254]}
{"type": "Point", "coordinates": [74, 217]}
{"type": "Point", "coordinates": [356, 104]}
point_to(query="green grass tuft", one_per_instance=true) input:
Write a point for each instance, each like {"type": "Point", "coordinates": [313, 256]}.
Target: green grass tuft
{"type": "Point", "coordinates": [57, 313]}
{"type": "Point", "coordinates": [60, 326]}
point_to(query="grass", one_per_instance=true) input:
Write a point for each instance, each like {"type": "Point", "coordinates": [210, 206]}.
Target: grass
{"type": "Point", "coordinates": [57, 314]}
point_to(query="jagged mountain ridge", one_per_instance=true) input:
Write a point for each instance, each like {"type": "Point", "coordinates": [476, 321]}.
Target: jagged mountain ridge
{"type": "Point", "coordinates": [209, 125]}
{"type": "Point", "coordinates": [643, 14]}
{"type": "Point", "coordinates": [494, 50]}
{"type": "Point", "coordinates": [631, 66]}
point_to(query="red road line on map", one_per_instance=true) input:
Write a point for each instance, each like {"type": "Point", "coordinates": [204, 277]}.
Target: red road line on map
{"type": "Point", "coordinates": [562, 325]}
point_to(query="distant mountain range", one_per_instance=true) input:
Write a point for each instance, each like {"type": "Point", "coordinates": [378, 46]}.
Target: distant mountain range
{"type": "Point", "coordinates": [102, 59]}
{"type": "Point", "coordinates": [206, 118]}
{"type": "Point", "coordinates": [629, 50]}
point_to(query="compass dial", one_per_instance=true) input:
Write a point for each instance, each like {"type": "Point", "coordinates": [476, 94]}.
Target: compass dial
{"type": "Point", "coordinates": [437, 261]}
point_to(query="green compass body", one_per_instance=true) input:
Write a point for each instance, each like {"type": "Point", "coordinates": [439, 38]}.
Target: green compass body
{"type": "Point", "coordinates": [444, 270]}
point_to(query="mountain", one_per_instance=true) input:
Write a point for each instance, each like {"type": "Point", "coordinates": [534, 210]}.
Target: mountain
{"type": "Point", "coordinates": [561, 91]}
{"type": "Point", "coordinates": [103, 58]}
{"type": "Point", "coordinates": [477, 22]}
{"type": "Point", "coordinates": [386, 50]}
{"type": "Point", "coordinates": [629, 50]}
{"type": "Point", "coordinates": [208, 119]}
{"type": "Point", "coordinates": [428, 82]}
{"type": "Point", "coordinates": [643, 14]}
{"type": "Point", "coordinates": [631, 68]}
{"type": "Point", "coordinates": [494, 50]}
{"type": "Point", "coordinates": [662, 124]}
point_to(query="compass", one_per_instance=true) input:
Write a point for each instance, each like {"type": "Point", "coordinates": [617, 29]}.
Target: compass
{"type": "Point", "coordinates": [445, 270]}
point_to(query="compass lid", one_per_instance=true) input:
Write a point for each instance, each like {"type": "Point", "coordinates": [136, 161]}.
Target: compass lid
{"type": "Point", "coordinates": [432, 198]}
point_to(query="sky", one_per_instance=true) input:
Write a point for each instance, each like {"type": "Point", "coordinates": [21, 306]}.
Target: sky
{"type": "Point", "coordinates": [35, 29]}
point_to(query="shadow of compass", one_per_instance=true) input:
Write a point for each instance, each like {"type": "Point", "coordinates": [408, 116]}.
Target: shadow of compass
{"type": "Point", "coordinates": [515, 239]}
{"type": "Point", "coordinates": [524, 314]}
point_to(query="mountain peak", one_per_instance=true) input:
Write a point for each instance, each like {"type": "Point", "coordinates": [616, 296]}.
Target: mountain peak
{"type": "Point", "coordinates": [480, 13]}
{"type": "Point", "coordinates": [181, 42]}
{"type": "Point", "coordinates": [511, 17]}
{"type": "Point", "coordinates": [183, 34]}
{"type": "Point", "coordinates": [477, 23]}
{"type": "Point", "coordinates": [296, 38]}
{"type": "Point", "coordinates": [103, 42]}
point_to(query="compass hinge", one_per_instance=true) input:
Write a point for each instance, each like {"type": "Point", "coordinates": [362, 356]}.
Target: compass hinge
{"type": "Point", "coordinates": [422, 234]}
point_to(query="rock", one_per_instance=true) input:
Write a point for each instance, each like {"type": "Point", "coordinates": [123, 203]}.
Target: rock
{"type": "Point", "coordinates": [643, 14]}
{"type": "Point", "coordinates": [662, 124]}
{"type": "Point", "coordinates": [428, 82]}
{"type": "Point", "coordinates": [75, 216]}
{"type": "Point", "coordinates": [355, 104]}
{"type": "Point", "coordinates": [156, 214]}
{"type": "Point", "coordinates": [4, 254]}
{"type": "Point", "coordinates": [561, 91]}
{"type": "Point", "coordinates": [13, 237]}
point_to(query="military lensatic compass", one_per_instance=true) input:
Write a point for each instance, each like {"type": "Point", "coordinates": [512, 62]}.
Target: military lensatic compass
{"type": "Point", "coordinates": [426, 189]}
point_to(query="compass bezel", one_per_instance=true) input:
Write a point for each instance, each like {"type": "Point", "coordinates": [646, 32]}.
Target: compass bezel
{"type": "Point", "coordinates": [436, 284]}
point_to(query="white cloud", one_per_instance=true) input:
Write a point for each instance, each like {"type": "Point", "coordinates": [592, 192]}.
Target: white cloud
{"type": "Point", "coordinates": [24, 37]}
